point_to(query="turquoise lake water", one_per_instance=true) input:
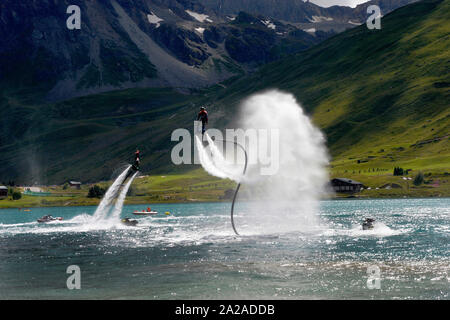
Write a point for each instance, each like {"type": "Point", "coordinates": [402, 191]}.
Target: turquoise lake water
{"type": "Point", "coordinates": [194, 254]}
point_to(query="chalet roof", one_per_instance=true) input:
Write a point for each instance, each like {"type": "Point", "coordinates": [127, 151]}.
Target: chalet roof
{"type": "Point", "coordinates": [3, 188]}
{"type": "Point", "coordinates": [74, 182]}
{"type": "Point", "coordinates": [349, 181]}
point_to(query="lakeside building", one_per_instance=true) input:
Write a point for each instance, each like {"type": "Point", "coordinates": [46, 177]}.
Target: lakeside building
{"type": "Point", "coordinates": [3, 192]}
{"type": "Point", "coordinates": [75, 184]}
{"type": "Point", "coordinates": [346, 185]}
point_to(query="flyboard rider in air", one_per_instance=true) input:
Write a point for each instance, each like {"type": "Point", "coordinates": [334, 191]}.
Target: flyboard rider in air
{"type": "Point", "coordinates": [203, 117]}
{"type": "Point", "coordinates": [137, 160]}
{"type": "Point", "coordinates": [136, 164]}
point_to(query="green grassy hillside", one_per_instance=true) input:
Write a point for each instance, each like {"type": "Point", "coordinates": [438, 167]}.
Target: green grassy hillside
{"type": "Point", "coordinates": [380, 96]}
{"type": "Point", "coordinates": [87, 138]}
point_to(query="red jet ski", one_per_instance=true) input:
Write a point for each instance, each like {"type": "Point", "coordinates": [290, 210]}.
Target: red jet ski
{"type": "Point", "coordinates": [48, 218]}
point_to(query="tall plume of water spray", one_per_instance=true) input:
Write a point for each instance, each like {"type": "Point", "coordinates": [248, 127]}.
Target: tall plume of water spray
{"type": "Point", "coordinates": [101, 213]}
{"type": "Point", "coordinates": [287, 200]}
{"type": "Point", "coordinates": [120, 200]}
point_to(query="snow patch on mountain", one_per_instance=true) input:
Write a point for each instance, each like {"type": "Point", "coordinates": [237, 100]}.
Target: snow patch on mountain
{"type": "Point", "coordinates": [354, 23]}
{"type": "Point", "coordinates": [316, 19]}
{"type": "Point", "coordinates": [154, 19]}
{"type": "Point", "coordinates": [199, 16]}
{"type": "Point", "coordinates": [200, 30]}
{"type": "Point", "coordinates": [268, 24]}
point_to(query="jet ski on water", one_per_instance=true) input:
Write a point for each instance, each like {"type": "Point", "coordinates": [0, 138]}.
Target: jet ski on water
{"type": "Point", "coordinates": [129, 222]}
{"type": "Point", "coordinates": [368, 224]}
{"type": "Point", "coordinates": [48, 218]}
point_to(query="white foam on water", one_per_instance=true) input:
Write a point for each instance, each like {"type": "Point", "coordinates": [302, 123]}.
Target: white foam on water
{"type": "Point", "coordinates": [2, 225]}
{"type": "Point", "coordinates": [380, 230]}
{"type": "Point", "coordinates": [105, 217]}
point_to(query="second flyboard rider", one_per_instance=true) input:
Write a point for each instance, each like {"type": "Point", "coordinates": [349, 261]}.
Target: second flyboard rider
{"type": "Point", "coordinates": [136, 164]}
{"type": "Point", "coordinates": [203, 117]}
{"type": "Point", "coordinates": [137, 160]}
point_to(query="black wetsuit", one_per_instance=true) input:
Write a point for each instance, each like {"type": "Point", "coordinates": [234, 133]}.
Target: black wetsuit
{"type": "Point", "coordinates": [203, 117]}
{"type": "Point", "coordinates": [137, 160]}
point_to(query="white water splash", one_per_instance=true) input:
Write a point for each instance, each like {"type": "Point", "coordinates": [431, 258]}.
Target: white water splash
{"type": "Point", "coordinates": [119, 203]}
{"type": "Point", "coordinates": [206, 161]}
{"type": "Point", "coordinates": [232, 171]}
{"type": "Point", "coordinates": [289, 199]}
{"type": "Point", "coordinates": [101, 213]}
{"type": "Point", "coordinates": [380, 230]}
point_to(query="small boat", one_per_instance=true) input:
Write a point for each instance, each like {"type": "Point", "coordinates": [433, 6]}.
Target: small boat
{"type": "Point", "coordinates": [48, 218]}
{"type": "Point", "coordinates": [145, 213]}
{"type": "Point", "coordinates": [129, 222]}
{"type": "Point", "coordinates": [368, 224]}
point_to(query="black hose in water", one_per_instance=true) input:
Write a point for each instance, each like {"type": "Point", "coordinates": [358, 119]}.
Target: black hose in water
{"type": "Point", "coordinates": [239, 184]}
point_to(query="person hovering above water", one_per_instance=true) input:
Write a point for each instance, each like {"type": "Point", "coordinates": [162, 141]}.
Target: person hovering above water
{"type": "Point", "coordinates": [136, 164]}
{"type": "Point", "coordinates": [203, 117]}
{"type": "Point", "coordinates": [137, 160]}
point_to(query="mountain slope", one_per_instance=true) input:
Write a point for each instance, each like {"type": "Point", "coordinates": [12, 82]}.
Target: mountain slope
{"type": "Point", "coordinates": [158, 43]}
{"type": "Point", "coordinates": [372, 90]}
{"type": "Point", "coordinates": [123, 44]}
{"type": "Point", "coordinates": [308, 14]}
{"type": "Point", "coordinates": [381, 97]}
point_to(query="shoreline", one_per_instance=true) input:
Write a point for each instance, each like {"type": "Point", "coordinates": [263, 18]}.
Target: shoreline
{"type": "Point", "coordinates": [15, 204]}
{"type": "Point", "coordinates": [199, 187]}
